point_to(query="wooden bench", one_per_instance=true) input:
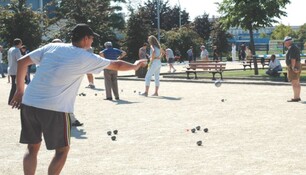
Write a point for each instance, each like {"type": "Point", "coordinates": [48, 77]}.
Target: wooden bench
{"type": "Point", "coordinates": [285, 71]}
{"type": "Point", "coordinates": [263, 61]}
{"type": "Point", "coordinates": [211, 67]}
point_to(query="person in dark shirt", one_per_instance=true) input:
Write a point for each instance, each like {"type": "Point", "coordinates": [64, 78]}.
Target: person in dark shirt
{"type": "Point", "coordinates": [110, 76]}
{"type": "Point", "coordinates": [293, 62]}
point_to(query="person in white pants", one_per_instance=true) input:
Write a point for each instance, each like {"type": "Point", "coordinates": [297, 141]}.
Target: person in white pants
{"type": "Point", "coordinates": [233, 52]}
{"type": "Point", "coordinates": [154, 65]}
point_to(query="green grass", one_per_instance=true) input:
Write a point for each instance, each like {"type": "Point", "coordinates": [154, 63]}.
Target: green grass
{"type": "Point", "coordinates": [247, 74]}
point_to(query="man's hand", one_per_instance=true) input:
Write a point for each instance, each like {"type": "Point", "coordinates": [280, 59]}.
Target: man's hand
{"type": "Point", "coordinates": [16, 101]}
{"type": "Point", "coordinates": [140, 63]}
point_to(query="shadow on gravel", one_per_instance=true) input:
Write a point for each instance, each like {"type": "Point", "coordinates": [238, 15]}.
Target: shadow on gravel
{"type": "Point", "coordinates": [169, 98]}
{"type": "Point", "coordinates": [78, 133]}
{"type": "Point", "coordinates": [124, 102]}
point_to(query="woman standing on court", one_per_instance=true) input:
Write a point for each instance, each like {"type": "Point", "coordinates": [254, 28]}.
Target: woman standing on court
{"type": "Point", "coordinates": [154, 65]}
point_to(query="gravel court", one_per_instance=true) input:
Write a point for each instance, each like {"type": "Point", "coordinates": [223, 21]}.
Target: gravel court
{"type": "Point", "coordinates": [254, 131]}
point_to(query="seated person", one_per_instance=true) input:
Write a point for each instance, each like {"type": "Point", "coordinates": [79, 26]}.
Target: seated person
{"type": "Point", "coordinates": [274, 67]}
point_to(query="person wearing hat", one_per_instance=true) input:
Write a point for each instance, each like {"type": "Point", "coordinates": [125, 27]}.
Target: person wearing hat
{"type": "Point", "coordinates": [293, 62]}
{"type": "Point", "coordinates": [51, 95]}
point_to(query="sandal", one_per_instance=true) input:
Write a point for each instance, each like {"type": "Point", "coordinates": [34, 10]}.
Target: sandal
{"type": "Point", "coordinates": [294, 100]}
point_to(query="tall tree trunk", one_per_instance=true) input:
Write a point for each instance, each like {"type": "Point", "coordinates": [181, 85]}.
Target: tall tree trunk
{"type": "Point", "coordinates": [252, 47]}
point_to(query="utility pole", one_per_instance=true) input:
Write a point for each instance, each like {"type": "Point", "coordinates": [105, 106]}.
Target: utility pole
{"type": "Point", "coordinates": [180, 18]}
{"type": "Point", "coordinates": [158, 20]}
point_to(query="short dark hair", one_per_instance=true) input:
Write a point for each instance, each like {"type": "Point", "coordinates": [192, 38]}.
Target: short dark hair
{"type": "Point", "coordinates": [17, 41]}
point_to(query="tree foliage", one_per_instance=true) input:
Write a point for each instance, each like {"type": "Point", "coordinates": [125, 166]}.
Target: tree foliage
{"type": "Point", "coordinates": [19, 21]}
{"type": "Point", "coordinates": [100, 15]}
{"type": "Point", "coordinates": [202, 26]}
{"type": "Point", "coordinates": [301, 33]}
{"type": "Point", "coordinates": [219, 37]}
{"type": "Point", "coordinates": [182, 39]}
{"type": "Point", "coordinates": [281, 31]}
{"type": "Point", "coordinates": [169, 17]}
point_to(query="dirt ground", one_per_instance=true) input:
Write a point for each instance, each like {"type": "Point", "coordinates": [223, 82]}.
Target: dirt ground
{"type": "Point", "coordinates": [254, 131]}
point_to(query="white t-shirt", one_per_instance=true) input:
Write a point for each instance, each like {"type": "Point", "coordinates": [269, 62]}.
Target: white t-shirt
{"type": "Point", "coordinates": [13, 55]}
{"type": "Point", "coordinates": [169, 53]}
{"type": "Point", "coordinates": [1, 61]}
{"type": "Point", "coordinates": [61, 70]}
{"type": "Point", "coordinates": [274, 64]}
{"type": "Point", "coordinates": [204, 54]}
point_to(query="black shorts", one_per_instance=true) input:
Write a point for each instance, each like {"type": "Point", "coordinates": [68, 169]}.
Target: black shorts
{"type": "Point", "coordinates": [170, 60]}
{"type": "Point", "coordinates": [54, 126]}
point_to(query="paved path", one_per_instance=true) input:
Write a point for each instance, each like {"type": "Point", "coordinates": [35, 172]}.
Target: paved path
{"type": "Point", "coordinates": [254, 131]}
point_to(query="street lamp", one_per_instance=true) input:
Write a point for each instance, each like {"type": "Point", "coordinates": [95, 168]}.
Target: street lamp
{"type": "Point", "coordinates": [158, 19]}
{"type": "Point", "coordinates": [180, 18]}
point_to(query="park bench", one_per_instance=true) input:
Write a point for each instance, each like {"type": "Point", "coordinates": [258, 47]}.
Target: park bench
{"type": "Point", "coordinates": [212, 67]}
{"type": "Point", "coordinates": [263, 61]}
{"type": "Point", "coordinates": [285, 71]}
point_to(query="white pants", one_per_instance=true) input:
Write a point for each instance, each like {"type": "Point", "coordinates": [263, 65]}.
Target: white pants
{"type": "Point", "coordinates": [154, 69]}
{"type": "Point", "coordinates": [233, 56]}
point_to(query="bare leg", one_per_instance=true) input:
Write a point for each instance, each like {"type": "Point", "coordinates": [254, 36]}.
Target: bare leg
{"type": "Point", "coordinates": [296, 88]}
{"type": "Point", "coordinates": [30, 159]}
{"type": "Point", "coordinates": [58, 161]}
{"type": "Point", "coordinates": [156, 91]}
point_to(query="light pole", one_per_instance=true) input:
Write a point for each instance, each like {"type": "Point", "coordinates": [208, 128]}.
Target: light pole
{"type": "Point", "coordinates": [158, 20]}
{"type": "Point", "coordinates": [180, 18]}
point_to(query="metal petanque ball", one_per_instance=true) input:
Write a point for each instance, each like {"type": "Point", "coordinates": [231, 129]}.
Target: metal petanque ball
{"type": "Point", "coordinates": [205, 130]}
{"type": "Point", "coordinates": [198, 128]}
{"type": "Point", "coordinates": [115, 131]}
{"type": "Point", "coordinates": [218, 83]}
{"type": "Point", "coordinates": [199, 143]}
{"type": "Point", "coordinates": [109, 133]}
{"type": "Point", "coordinates": [113, 138]}
{"type": "Point", "coordinates": [193, 130]}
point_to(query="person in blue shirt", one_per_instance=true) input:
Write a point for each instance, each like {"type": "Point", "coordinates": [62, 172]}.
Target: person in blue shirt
{"type": "Point", "coordinates": [110, 76]}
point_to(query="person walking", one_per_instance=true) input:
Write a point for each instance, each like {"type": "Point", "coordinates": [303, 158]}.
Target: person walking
{"type": "Point", "coordinates": [293, 62]}
{"type": "Point", "coordinates": [110, 76]}
{"type": "Point", "coordinates": [24, 51]}
{"type": "Point", "coordinates": [1, 62]}
{"type": "Point", "coordinates": [170, 59]}
{"type": "Point", "coordinates": [154, 66]}
{"type": "Point", "coordinates": [50, 96]}
{"type": "Point", "coordinates": [13, 55]}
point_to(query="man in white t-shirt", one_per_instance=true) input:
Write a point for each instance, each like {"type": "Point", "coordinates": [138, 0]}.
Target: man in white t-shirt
{"type": "Point", "coordinates": [274, 67]}
{"type": "Point", "coordinates": [170, 59]}
{"type": "Point", "coordinates": [204, 53]}
{"type": "Point", "coordinates": [50, 96]}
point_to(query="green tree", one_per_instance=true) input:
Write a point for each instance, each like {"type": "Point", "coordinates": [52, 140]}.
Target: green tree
{"type": "Point", "coordinates": [19, 21]}
{"type": "Point", "coordinates": [301, 33]}
{"type": "Point", "coordinates": [136, 34]}
{"type": "Point", "coordinates": [100, 15]}
{"type": "Point", "coordinates": [281, 31]}
{"type": "Point", "coordinates": [251, 15]}
{"type": "Point", "coordinates": [182, 39]}
{"type": "Point", "coordinates": [169, 17]}
{"type": "Point", "coordinates": [202, 26]}
{"type": "Point", "coordinates": [219, 38]}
